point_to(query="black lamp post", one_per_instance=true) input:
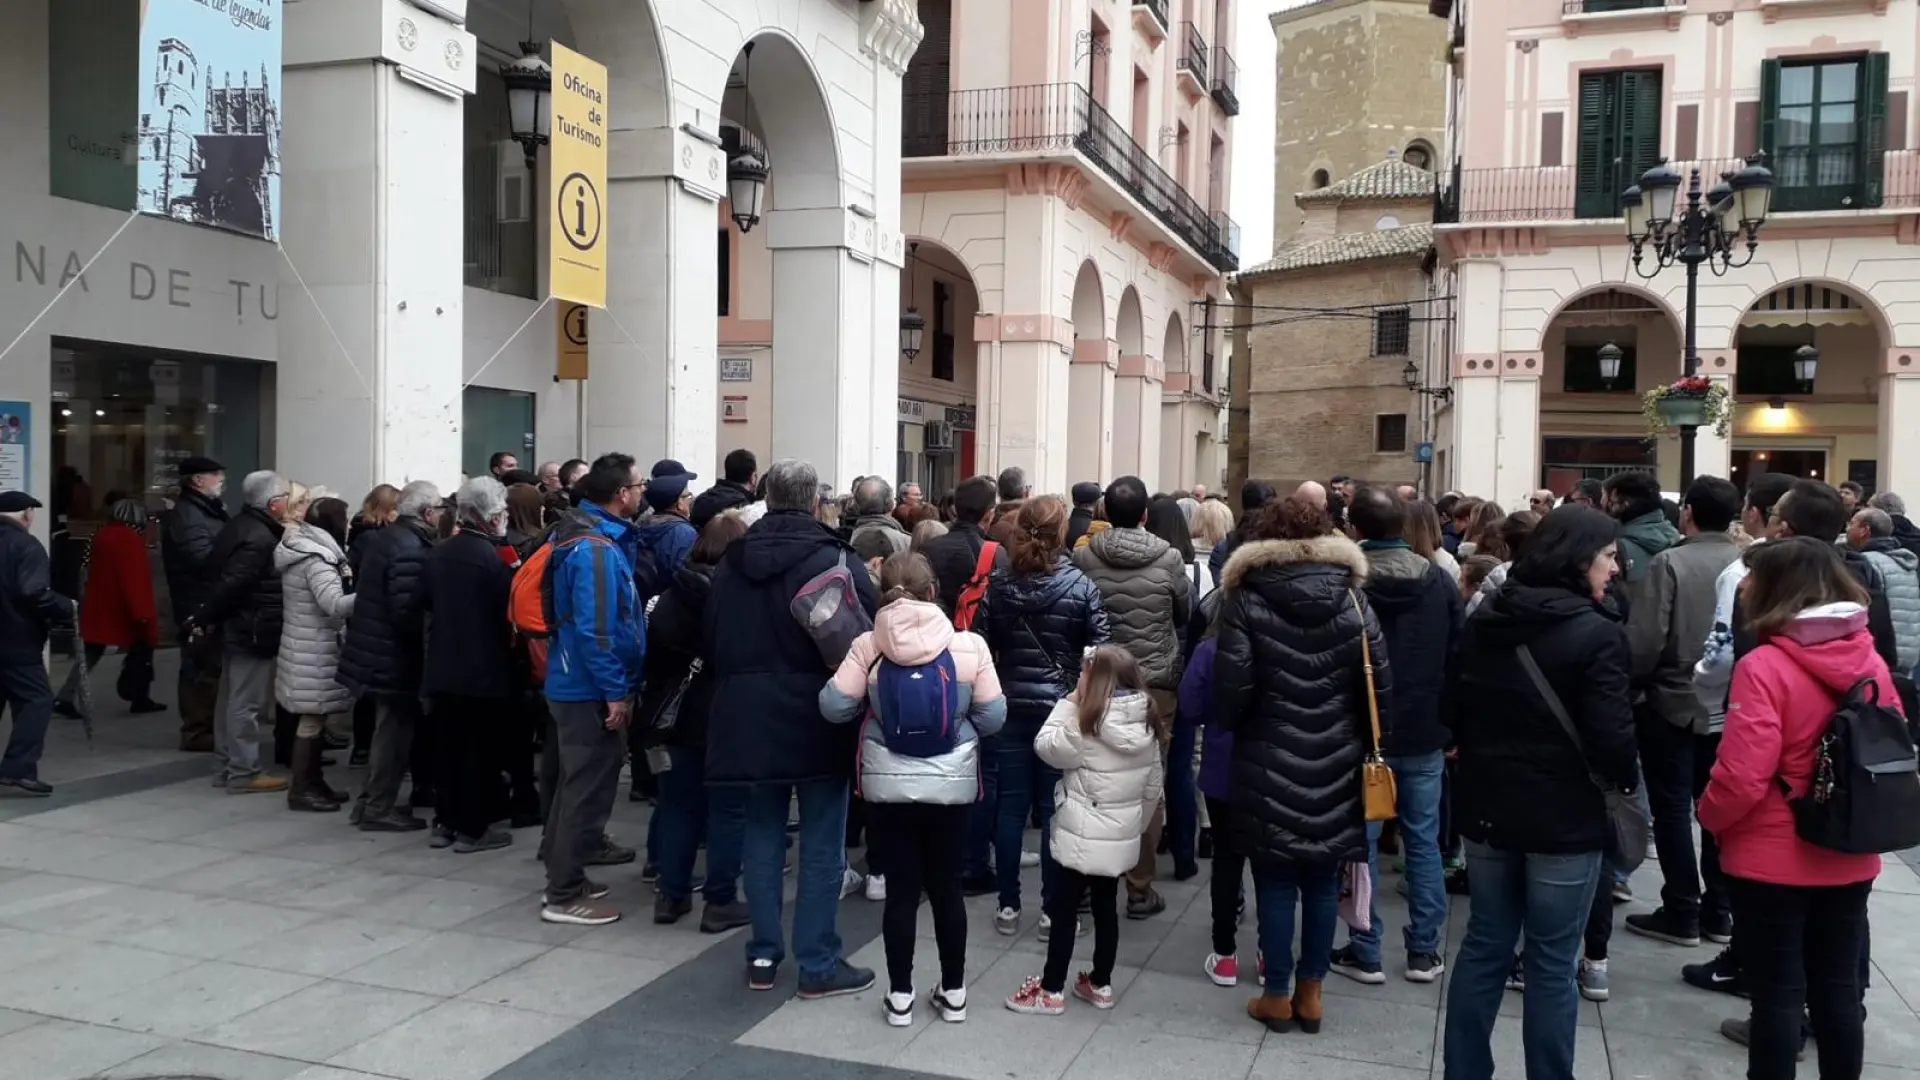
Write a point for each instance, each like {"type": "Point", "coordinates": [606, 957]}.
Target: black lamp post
{"type": "Point", "coordinates": [1699, 233]}
{"type": "Point", "coordinates": [529, 83]}
{"type": "Point", "coordinates": [913, 325]}
{"type": "Point", "coordinates": [1610, 357]}
{"type": "Point", "coordinates": [1410, 377]}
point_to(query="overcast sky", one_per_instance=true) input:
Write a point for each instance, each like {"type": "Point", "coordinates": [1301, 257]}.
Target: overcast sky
{"type": "Point", "coordinates": [1250, 201]}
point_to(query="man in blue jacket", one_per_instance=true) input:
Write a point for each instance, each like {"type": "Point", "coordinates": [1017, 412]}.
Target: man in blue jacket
{"type": "Point", "coordinates": [598, 647]}
{"type": "Point", "coordinates": [667, 535]}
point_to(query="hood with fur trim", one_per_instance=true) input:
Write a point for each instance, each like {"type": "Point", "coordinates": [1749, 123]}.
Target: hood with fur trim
{"type": "Point", "coordinates": [1311, 580]}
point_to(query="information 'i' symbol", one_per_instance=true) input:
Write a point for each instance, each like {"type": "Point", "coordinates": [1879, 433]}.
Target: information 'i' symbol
{"type": "Point", "coordinates": [580, 211]}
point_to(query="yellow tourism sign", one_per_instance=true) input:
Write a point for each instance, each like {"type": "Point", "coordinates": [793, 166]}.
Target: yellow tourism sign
{"type": "Point", "coordinates": [577, 246]}
{"type": "Point", "coordinates": [571, 346]}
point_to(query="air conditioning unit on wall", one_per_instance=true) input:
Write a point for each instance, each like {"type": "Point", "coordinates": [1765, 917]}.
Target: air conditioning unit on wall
{"type": "Point", "coordinates": [939, 435]}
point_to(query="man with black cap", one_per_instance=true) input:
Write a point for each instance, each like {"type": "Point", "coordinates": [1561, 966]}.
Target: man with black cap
{"type": "Point", "coordinates": [1085, 494]}
{"type": "Point", "coordinates": [29, 611]}
{"type": "Point", "coordinates": [734, 489]}
{"type": "Point", "coordinates": [186, 549]}
{"type": "Point", "coordinates": [666, 536]}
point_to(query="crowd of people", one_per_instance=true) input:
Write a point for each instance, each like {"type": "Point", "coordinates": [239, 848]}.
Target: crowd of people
{"type": "Point", "coordinates": [1510, 702]}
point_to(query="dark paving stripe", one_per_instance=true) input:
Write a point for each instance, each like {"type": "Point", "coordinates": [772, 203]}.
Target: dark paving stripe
{"type": "Point", "coordinates": [682, 1026]}
{"type": "Point", "coordinates": [75, 792]}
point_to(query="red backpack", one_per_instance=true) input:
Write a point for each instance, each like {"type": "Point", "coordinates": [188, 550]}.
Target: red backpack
{"type": "Point", "coordinates": [968, 604]}
{"type": "Point", "coordinates": [530, 599]}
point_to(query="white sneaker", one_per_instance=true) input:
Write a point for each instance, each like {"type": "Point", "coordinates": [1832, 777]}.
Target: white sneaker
{"type": "Point", "coordinates": [899, 1009]}
{"type": "Point", "coordinates": [1007, 921]}
{"type": "Point", "coordinates": [1046, 927]}
{"type": "Point", "coordinates": [950, 1004]}
{"type": "Point", "coordinates": [850, 882]}
{"type": "Point", "coordinates": [1029, 859]}
{"type": "Point", "coordinates": [876, 887]}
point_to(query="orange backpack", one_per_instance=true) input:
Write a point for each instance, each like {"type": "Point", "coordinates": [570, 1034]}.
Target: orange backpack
{"type": "Point", "coordinates": [530, 600]}
{"type": "Point", "coordinates": [967, 605]}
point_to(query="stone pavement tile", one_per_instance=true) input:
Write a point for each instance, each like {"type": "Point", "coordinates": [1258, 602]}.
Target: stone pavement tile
{"type": "Point", "coordinates": [271, 834]}
{"type": "Point", "coordinates": [1893, 1039]}
{"type": "Point", "coordinates": [51, 852]}
{"type": "Point", "coordinates": [568, 982]}
{"type": "Point", "coordinates": [62, 1050]}
{"type": "Point", "coordinates": [235, 875]}
{"type": "Point", "coordinates": [456, 1040]}
{"type": "Point", "coordinates": [1118, 1050]}
{"type": "Point", "coordinates": [195, 1059]}
{"type": "Point", "coordinates": [994, 1043]}
{"type": "Point", "coordinates": [65, 982]}
{"type": "Point", "coordinates": [316, 1023]}
{"type": "Point", "coordinates": [1138, 940]}
{"type": "Point", "coordinates": [150, 861]}
{"type": "Point", "coordinates": [327, 947]}
{"type": "Point", "coordinates": [434, 904]}
{"type": "Point", "coordinates": [1881, 1072]}
{"type": "Point", "coordinates": [105, 912]}
{"type": "Point", "coordinates": [524, 923]}
{"type": "Point", "coordinates": [1285, 1057]}
{"type": "Point", "coordinates": [980, 923]}
{"type": "Point", "coordinates": [745, 1061]}
{"type": "Point", "coordinates": [1509, 1050]}
{"type": "Point", "coordinates": [1652, 1057]}
{"type": "Point", "coordinates": [29, 893]}
{"type": "Point", "coordinates": [213, 928]}
{"type": "Point", "coordinates": [446, 964]}
{"type": "Point", "coordinates": [1188, 1005]}
{"type": "Point", "coordinates": [92, 817]}
{"type": "Point", "coordinates": [187, 1001]}
{"type": "Point", "coordinates": [1896, 877]}
{"type": "Point", "coordinates": [1354, 1027]}
{"type": "Point", "coordinates": [637, 935]}
{"type": "Point", "coordinates": [170, 822]}
{"type": "Point", "coordinates": [12, 1021]}
{"type": "Point", "coordinates": [350, 846]}
{"type": "Point", "coordinates": [511, 867]}
{"type": "Point", "coordinates": [854, 1028]}
{"type": "Point", "coordinates": [335, 890]}
{"type": "Point", "coordinates": [328, 1072]}
{"type": "Point", "coordinates": [1653, 1001]}
{"type": "Point", "coordinates": [608, 1048]}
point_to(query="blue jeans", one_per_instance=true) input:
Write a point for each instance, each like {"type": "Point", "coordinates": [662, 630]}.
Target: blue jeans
{"type": "Point", "coordinates": [1418, 781]}
{"type": "Point", "coordinates": [1277, 887]}
{"type": "Point", "coordinates": [1550, 895]}
{"type": "Point", "coordinates": [689, 811]}
{"type": "Point", "coordinates": [1026, 783]}
{"type": "Point", "coordinates": [984, 819]}
{"type": "Point", "coordinates": [1183, 798]}
{"type": "Point", "coordinates": [823, 859]}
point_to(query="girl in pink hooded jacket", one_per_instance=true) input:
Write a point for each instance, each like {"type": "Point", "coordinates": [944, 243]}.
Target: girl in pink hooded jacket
{"type": "Point", "coordinates": [1800, 910]}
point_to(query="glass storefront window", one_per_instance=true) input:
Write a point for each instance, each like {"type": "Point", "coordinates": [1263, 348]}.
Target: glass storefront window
{"type": "Point", "coordinates": [495, 420]}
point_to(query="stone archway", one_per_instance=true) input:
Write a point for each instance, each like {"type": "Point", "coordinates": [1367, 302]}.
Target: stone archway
{"type": "Point", "coordinates": [940, 386]}
{"type": "Point", "coordinates": [1136, 395]}
{"type": "Point", "coordinates": [1090, 380]}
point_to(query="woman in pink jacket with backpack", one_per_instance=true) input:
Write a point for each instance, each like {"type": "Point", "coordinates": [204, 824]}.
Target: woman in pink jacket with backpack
{"type": "Point", "coordinates": [1800, 910]}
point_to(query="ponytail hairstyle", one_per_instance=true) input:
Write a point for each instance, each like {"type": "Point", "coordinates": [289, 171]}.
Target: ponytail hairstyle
{"type": "Point", "coordinates": [1110, 669]}
{"type": "Point", "coordinates": [907, 575]}
{"type": "Point", "coordinates": [1037, 535]}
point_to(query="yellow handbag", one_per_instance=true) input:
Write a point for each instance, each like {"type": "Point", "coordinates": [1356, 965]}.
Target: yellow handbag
{"type": "Point", "coordinates": [1377, 788]}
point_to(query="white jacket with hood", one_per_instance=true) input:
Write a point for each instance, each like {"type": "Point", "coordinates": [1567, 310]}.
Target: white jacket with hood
{"type": "Point", "coordinates": [1111, 783]}
{"type": "Point", "coordinates": [910, 633]}
{"type": "Point", "coordinates": [313, 589]}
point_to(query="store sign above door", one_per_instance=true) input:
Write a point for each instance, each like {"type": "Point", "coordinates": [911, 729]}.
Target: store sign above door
{"type": "Point", "coordinates": [577, 258]}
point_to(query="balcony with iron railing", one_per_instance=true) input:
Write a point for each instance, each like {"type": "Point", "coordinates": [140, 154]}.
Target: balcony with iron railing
{"type": "Point", "coordinates": [1578, 15]}
{"type": "Point", "coordinates": [1554, 193]}
{"type": "Point", "coordinates": [1061, 119]}
{"type": "Point", "coordinates": [1151, 17]}
{"type": "Point", "coordinates": [1226, 77]}
{"type": "Point", "coordinates": [1191, 63]}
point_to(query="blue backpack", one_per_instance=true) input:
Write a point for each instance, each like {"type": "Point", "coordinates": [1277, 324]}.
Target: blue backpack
{"type": "Point", "coordinates": [917, 706]}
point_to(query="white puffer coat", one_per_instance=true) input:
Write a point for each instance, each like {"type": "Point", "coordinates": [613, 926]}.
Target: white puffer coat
{"type": "Point", "coordinates": [313, 587]}
{"type": "Point", "coordinates": [1110, 787]}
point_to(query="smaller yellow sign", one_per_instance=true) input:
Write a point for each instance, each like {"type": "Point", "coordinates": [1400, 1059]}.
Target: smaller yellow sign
{"type": "Point", "coordinates": [577, 250]}
{"type": "Point", "coordinates": [570, 358]}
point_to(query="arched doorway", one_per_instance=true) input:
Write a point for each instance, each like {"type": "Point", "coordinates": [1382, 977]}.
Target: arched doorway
{"type": "Point", "coordinates": [938, 410]}
{"type": "Point", "coordinates": [1591, 424]}
{"type": "Point", "coordinates": [1826, 428]}
{"type": "Point", "coordinates": [1136, 396]}
{"type": "Point", "coordinates": [1090, 379]}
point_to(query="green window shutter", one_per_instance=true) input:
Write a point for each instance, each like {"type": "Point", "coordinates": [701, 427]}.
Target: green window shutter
{"type": "Point", "coordinates": [1873, 133]}
{"type": "Point", "coordinates": [1769, 109]}
{"type": "Point", "coordinates": [1592, 167]}
{"type": "Point", "coordinates": [1639, 125]}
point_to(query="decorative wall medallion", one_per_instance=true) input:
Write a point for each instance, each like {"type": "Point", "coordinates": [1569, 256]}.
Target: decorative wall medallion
{"type": "Point", "coordinates": [1526, 45]}
{"type": "Point", "coordinates": [456, 54]}
{"type": "Point", "coordinates": [1720, 18]}
{"type": "Point", "coordinates": [409, 36]}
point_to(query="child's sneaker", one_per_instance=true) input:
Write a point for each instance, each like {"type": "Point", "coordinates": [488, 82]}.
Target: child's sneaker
{"type": "Point", "coordinates": [1100, 997]}
{"type": "Point", "coordinates": [1007, 921]}
{"type": "Point", "coordinates": [876, 887]}
{"type": "Point", "coordinates": [761, 974]}
{"type": "Point", "coordinates": [950, 1004]}
{"type": "Point", "coordinates": [899, 1009]}
{"type": "Point", "coordinates": [1034, 1000]}
{"type": "Point", "coordinates": [850, 882]}
{"type": "Point", "coordinates": [1046, 927]}
{"type": "Point", "coordinates": [1223, 970]}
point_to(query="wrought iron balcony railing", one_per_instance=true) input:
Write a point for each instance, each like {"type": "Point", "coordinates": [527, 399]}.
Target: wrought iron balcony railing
{"type": "Point", "coordinates": [1193, 54]}
{"type": "Point", "coordinates": [1226, 76]}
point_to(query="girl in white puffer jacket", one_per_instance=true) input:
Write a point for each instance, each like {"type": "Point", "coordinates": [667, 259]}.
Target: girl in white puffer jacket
{"type": "Point", "coordinates": [1105, 739]}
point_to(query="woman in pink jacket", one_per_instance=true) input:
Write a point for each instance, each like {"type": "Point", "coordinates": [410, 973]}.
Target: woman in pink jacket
{"type": "Point", "coordinates": [1800, 910]}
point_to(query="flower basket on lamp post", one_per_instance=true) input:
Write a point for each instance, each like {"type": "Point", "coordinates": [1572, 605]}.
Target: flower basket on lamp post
{"type": "Point", "coordinates": [1695, 401]}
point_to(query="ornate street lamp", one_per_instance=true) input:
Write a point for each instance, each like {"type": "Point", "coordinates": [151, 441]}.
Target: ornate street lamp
{"type": "Point", "coordinates": [529, 83]}
{"type": "Point", "coordinates": [747, 171]}
{"type": "Point", "coordinates": [1806, 363]}
{"type": "Point", "coordinates": [913, 325]}
{"type": "Point", "coordinates": [1610, 357]}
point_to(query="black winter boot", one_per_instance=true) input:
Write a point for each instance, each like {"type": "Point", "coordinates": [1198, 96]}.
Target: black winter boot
{"type": "Point", "coordinates": [303, 795]}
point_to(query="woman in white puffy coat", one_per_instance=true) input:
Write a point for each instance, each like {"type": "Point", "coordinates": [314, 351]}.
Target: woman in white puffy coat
{"type": "Point", "coordinates": [313, 581]}
{"type": "Point", "coordinates": [1105, 739]}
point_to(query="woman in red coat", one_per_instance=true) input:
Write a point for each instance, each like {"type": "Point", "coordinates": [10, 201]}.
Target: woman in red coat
{"type": "Point", "coordinates": [117, 609]}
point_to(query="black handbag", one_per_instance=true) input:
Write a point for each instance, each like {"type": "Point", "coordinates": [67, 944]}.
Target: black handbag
{"type": "Point", "coordinates": [1628, 818]}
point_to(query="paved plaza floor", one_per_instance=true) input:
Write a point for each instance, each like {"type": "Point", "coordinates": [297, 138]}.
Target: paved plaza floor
{"type": "Point", "coordinates": [151, 925]}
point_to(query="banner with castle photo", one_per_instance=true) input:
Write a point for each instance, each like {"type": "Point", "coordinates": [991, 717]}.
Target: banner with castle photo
{"type": "Point", "coordinates": [210, 112]}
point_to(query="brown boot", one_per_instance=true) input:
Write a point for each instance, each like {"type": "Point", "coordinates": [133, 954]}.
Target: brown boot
{"type": "Point", "coordinates": [317, 776]}
{"type": "Point", "coordinates": [1306, 1005]}
{"type": "Point", "coordinates": [302, 795]}
{"type": "Point", "coordinates": [1273, 1010]}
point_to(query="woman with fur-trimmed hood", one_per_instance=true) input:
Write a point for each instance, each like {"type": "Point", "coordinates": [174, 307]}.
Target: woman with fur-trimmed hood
{"type": "Point", "coordinates": [1290, 686]}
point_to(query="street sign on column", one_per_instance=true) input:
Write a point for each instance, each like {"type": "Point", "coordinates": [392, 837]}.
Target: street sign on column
{"type": "Point", "coordinates": [577, 249]}
{"type": "Point", "coordinates": [571, 358]}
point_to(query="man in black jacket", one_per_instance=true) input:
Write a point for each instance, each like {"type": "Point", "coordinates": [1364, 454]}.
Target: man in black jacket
{"type": "Point", "coordinates": [956, 555]}
{"type": "Point", "coordinates": [385, 652]}
{"type": "Point", "coordinates": [1254, 494]}
{"type": "Point", "coordinates": [29, 611]}
{"type": "Point", "coordinates": [735, 489]}
{"type": "Point", "coordinates": [243, 606]}
{"type": "Point", "coordinates": [1420, 615]}
{"type": "Point", "coordinates": [186, 549]}
{"type": "Point", "coordinates": [766, 731]}
{"type": "Point", "coordinates": [1085, 494]}
{"type": "Point", "coordinates": [1905, 533]}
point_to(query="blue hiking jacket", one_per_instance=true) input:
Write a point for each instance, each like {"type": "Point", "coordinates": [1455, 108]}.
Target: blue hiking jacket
{"type": "Point", "coordinates": [599, 632]}
{"type": "Point", "coordinates": [665, 539]}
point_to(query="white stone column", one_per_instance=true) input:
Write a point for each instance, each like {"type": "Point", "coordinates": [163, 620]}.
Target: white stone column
{"type": "Point", "coordinates": [1477, 393]}
{"type": "Point", "coordinates": [651, 392]}
{"type": "Point", "coordinates": [1519, 432]}
{"type": "Point", "coordinates": [1091, 416]}
{"type": "Point", "coordinates": [1021, 383]}
{"type": "Point", "coordinates": [1136, 424]}
{"type": "Point", "coordinates": [1900, 424]}
{"type": "Point", "coordinates": [371, 216]}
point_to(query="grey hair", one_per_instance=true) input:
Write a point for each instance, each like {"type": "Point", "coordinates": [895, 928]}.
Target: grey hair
{"type": "Point", "coordinates": [1888, 501]}
{"type": "Point", "coordinates": [482, 502]}
{"type": "Point", "coordinates": [872, 496]}
{"type": "Point", "coordinates": [1877, 521]}
{"type": "Point", "coordinates": [1013, 483]}
{"type": "Point", "coordinates": [417, 498]}
{"type": "Point", "coordinates": [261, 488]}
{"type": "Point", "coordinates": [793, 485]}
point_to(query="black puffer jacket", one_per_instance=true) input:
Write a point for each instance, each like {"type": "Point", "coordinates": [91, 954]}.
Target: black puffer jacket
{"type": "Point", "coordinates": [360, 534]}
{"type": "Point", "coordinates": [1143, 583]}
{"type": "Point", "coordinates": [186, 549]}
{"type": "Point", "coordinates": [29, 608]}
{"type": "Point", "coordinates": [674, 632]}
{"type": "Point", "coordinates": [1523, 785]}
{"type": "Point", "coordinates": [1037, 627]}
{"type": "Point", "coordinates": [955, 557]}
{"type": "Point", "coordinates": [464, 589]}
{"type": "Point", "coordinates": [717, 500]}
{"type": "Point", "coordinates": [385, 651]}
{"type": "Point", "coordinates": [1290, 686]}
{"type": "Point", "coordinates": [245, 601]}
